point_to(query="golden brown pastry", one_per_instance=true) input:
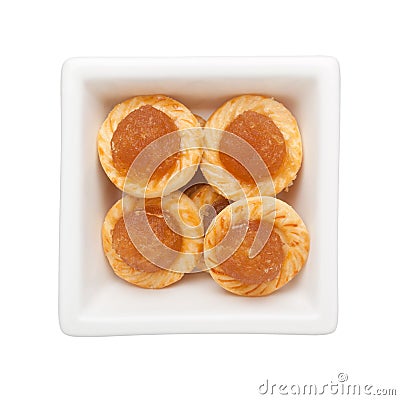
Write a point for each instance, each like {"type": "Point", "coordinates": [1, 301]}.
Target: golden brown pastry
{"type": "Point", "coordinates": [204, 195]}
{"type": "Point", "coordinates": [276, 235]}
{"type": "Point", "coordinates": [209, 203]}
{"type": "Point", "coordinates": [200, 120]}
{"type": "Point", "coordinates": [167, 234]}
{"type": "Point", "coordinates": [269, 128]}
{"type": "Point", "coordinates": [136, 123]}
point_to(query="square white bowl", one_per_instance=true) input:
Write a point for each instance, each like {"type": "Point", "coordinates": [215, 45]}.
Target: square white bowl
{"type": "Point", "coordinates": [92, 300]}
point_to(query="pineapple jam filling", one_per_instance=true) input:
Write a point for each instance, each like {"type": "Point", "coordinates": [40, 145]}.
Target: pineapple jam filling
{"type": "Point", "coordinates": [137, 130]}
{"type": "Point", "coordinates": [264, 267]}
{"type": "Point", "coordinates": [124, 247]}
{"type": "Point", "coordinates": [263, 135]}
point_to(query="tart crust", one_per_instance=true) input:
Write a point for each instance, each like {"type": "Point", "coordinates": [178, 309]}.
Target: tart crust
{"type": "Point", "coordinates": [190, 138]}
{"type": "Point", "coordinates": [200, 120]}
{"type": "Point", "coordinates": [211, 164]}
{"type": "Point", "coordinates": [190, 248]}
{"type": "Point", "coordinates": [203, 194]}
{"type": "Point", "coordinates": [286, 222]}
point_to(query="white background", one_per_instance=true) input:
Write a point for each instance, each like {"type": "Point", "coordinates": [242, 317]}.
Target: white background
{"type": "Point", "coordinates": [40, 362]}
